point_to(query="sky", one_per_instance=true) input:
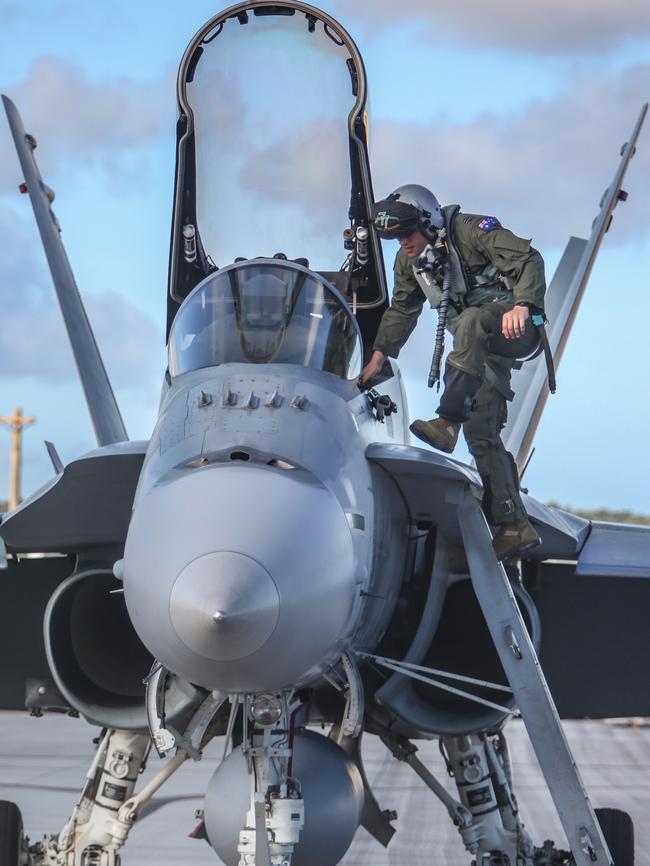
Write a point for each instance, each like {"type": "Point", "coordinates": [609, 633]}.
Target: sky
{"type": "Point", "coordinates": [508, 108]}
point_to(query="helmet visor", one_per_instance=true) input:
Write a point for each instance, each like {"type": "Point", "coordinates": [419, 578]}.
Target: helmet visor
{"type": "Point", "coordinates": [394, 219]}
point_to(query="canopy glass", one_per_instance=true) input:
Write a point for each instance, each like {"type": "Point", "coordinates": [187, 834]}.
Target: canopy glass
{"type": "Point", "coordinates": [264, 312]}
{"type": "Point", "coordinates": [270, 100]}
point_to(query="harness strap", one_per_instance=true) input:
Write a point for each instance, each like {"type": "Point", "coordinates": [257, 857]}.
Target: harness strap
{"type": "Point", "coordinates": [539, 320]}
{"type": "Point", "coordinates": [548, 355]}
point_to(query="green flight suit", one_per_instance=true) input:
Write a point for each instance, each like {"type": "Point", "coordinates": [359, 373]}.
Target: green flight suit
{"type": "Point", "coordinates": [484, 253]}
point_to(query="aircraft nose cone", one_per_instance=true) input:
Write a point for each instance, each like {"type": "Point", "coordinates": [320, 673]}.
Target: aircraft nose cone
{"type": "Point", "coordinates": [224, 605]}
{"type": "Point", "coordinates": [241, 578]}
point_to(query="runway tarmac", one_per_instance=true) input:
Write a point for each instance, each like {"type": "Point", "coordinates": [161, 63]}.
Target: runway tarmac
{"type": "Point", "coordinates": [43, 762]}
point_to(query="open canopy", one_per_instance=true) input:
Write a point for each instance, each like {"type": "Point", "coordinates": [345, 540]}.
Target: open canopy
{"type": "Point", "coordinates": [270, 104]}
{"type": "Point", "coordinates": [272, 151]}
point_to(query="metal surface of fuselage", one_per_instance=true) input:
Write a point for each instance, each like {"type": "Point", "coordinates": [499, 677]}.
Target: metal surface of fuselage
{"type": "Point", "coordinates": [262, 543]}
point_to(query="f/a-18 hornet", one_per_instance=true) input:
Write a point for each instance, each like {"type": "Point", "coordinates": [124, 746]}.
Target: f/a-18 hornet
{"type": "Point", "coordinates": [278, 555]}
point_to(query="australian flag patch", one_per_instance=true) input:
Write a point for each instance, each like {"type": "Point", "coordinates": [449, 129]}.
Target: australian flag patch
{"type": "Point", "coordinates": [488, 223]}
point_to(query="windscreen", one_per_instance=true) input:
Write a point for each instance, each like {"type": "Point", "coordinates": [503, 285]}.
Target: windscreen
{"type": "Point", "coordinates": [270, 100]}
{"type": "Point", "coordinates": [265, 313]}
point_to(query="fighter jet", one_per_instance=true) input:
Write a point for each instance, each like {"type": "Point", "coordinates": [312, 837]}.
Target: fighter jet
{"type": "Point", "coordinates": [278, 557]}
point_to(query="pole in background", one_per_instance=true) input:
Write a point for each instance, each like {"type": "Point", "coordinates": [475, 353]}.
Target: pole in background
{"type": "Point", "coordinates": [15, 422]}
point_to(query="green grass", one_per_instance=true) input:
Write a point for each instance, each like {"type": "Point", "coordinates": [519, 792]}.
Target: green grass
{"type": "Point", "coordinates": [608, 514]}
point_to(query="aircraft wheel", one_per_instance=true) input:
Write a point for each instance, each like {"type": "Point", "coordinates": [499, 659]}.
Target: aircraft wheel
{"type": "Point", "coordinates": [618, 831]}
{"type": "Point", "coordinates": [11, 834]}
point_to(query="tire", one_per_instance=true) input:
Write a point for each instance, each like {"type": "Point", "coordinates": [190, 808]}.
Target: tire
{"type": "Point", "coordinates": [618, 831]}
{"type": "Point", "coordinates": [11, 834]}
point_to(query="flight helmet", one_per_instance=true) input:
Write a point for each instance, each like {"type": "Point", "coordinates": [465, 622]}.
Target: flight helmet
{"type": "Point", "coordinates": [407, 209]}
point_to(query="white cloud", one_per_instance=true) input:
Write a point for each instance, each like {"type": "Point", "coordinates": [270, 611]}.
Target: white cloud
{"type": "Point", "coordinates": [551, 27]}
{"type": "Point", "coordinates": [131, 342]}
{"type": "Point", "coordinates": [33, 341]}
{"type": "Point", "coordinates": [82, 122]}
{"type": "Point", "coordinates": [542, 172]}
{"type": "Point", "coordinates": [309, 169]}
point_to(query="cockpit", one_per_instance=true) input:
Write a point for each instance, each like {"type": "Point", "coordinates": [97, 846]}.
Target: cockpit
{"type": "Point", "coordinates": [265, 311]}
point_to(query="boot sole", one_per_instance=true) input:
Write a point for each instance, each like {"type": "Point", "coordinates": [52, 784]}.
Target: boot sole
{"type": "Point", "coordinates": [423, 438]}
{"type": "Point", "coordinates": [517, 551]}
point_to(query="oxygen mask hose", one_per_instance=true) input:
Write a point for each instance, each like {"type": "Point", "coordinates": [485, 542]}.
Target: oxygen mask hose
{"type": "Point", "coordinates": [439, 348]}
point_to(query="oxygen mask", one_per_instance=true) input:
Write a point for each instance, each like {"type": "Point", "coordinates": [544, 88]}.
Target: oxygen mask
{"type": "Point", "coordinates": [433, 257]}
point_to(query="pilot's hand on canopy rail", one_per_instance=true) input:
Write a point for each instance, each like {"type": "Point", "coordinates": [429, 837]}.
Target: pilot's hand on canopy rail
{"type": "Point", "coordinates": [372, 368]}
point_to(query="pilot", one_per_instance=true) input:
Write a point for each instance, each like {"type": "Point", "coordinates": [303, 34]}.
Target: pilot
{"type": "Point", "coordinates": [494, 283]}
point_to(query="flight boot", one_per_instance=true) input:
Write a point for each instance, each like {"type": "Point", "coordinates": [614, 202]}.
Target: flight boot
{"type": "Point", "coordinates": [455, 407]}
{"type": "Point", "coordinates": [513, 539]}
{"type": "Point", "coordinates": [440, 433]}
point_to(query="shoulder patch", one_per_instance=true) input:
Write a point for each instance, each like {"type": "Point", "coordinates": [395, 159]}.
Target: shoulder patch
{"type": "Point", "coordinates": [488, 223]}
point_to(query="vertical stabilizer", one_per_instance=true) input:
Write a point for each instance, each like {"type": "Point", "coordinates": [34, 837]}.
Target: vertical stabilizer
{"type": "Point", "coordinates": [562, 302]}
{"type": "Point", "coordinates": [104, 412]}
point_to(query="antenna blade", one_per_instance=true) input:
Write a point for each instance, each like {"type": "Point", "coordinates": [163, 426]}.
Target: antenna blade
{"type": "Point", "coordinates": [57, 463]}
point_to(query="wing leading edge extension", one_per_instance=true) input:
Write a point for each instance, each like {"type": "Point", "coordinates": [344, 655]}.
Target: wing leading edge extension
{"type": "Point", "coordinates": [105, 414]}
{"type": "Point", "coordinates": [562, 302]}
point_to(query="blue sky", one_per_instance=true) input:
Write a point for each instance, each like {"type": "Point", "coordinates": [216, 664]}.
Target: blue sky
{"type": "Point", "coordinates": [509, 108]}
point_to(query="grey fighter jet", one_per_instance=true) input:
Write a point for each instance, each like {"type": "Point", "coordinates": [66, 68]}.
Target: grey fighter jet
{"type": "Point", "coordinates": [277, 555]}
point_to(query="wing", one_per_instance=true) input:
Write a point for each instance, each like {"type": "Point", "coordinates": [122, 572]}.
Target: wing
{"type": "Point", "coordinates": [104, 411]}
{"type": "Point", "coordinates": [85, 508]}
{"type": "Point", "coordinates": [432, 484]}
{"type": "Point", "coordinates": [588, 581]}
{"type": "Point", "coordinates": [562, 302]}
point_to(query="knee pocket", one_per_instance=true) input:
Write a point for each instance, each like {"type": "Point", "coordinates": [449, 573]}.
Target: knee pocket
{"type": "Point", "coordinates": [467, 322]}
{"type": "Point", "coordinates": [476, 315]}
{"type": "Point", "coordinates": [482, 433]}
{"type": "Point", "coordinates": [468, 319]}
{"type": "Point", "coordinates": [473, 323]}
{"type": "Point", "coordinates": [470, 314]}
{"type": "Point", "coordinates": [480, 447]}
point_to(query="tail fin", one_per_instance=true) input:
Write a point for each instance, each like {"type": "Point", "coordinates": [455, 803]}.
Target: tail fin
{"type": "Point", "coordinates": [104, 411]}
{"type": "Point", "coordinates": [562, 302]}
